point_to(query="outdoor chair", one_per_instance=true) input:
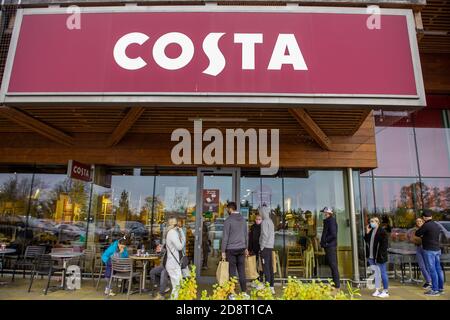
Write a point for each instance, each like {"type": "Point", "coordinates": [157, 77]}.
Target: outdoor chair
{"type": "Point", "coordinates": [44, 266]}
{"type": "Point", "coordinates": [28, 260]}
{"type": "Point", "coordinates": [122, 269]}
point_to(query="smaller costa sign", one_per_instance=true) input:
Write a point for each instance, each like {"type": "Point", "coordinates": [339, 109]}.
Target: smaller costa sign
{"type": "Point", "coordinates": [80, 171]}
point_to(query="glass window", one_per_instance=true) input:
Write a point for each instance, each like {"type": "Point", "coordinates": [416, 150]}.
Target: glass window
{"type": "Point", "coordinates": [359, 214]}
{"type": "Point", "coordinates": [59, 210]}
{"type": "Point", "coordinates": [14, 198]}
{"type": "Point", "coordinates": [436, 196]}
{"type": "Point", "coordinates": [304, 198]}
{"type": "Point", "coordinates": [433, 141]}
{"type": "Point", "coordinates": [397, 201]}
{"type": "Point", "coordinates": [396, 152]}
{"type": "Point", "coordinates": [176, 196]}
{"type": "Point", "coordinates": [129, 210]}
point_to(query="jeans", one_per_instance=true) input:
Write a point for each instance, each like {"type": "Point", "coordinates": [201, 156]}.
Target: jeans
{"type": "Point", "coordinates": [159, 275]}
{"type": "Point", "coordinates": [380, 274]}
{"type": "Point", "coordinates": [236, 262]}
{"type": "Point", "coordinates": [433, 261]}
{"type": "Point", "coordinates": [331, 255]}
{"type": "Point", "coordinates": [267, 263]}
{"type": "Point", "coordinates": [420, 257]}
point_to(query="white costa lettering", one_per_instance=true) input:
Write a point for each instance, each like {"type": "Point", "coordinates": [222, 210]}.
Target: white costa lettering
{"type": "Point", "coordinates": [286, 51]}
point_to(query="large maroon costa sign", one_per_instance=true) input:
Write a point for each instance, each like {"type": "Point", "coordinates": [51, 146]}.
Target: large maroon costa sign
{"type": "Point", "coordinates": [214, 54]}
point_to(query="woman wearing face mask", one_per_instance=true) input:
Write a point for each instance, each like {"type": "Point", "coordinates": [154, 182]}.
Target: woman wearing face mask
{"type": "Point", "coordinates": [377, 255]}
{"type": "Point", "coordinates": [253, 240]}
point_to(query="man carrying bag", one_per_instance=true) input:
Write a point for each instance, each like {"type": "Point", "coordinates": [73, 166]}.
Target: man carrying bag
{"type": "Point", "coordinates": [234, 244]}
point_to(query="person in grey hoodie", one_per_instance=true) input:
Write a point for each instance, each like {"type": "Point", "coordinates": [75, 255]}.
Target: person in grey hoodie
{"type": "Point", "coordinates": [266, 242]}
{"type": "Point", "coordinates": [234, 244]}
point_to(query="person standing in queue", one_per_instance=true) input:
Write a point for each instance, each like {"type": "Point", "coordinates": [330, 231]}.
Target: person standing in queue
{"type": "Point", "coordinates": [377, 244]}
{"type": "Point", "coordinates": [420, 255]}
{"type": "Point", "coordinates": [175, 243]}
{"type": "Point", "coordinates": [266, 243]}
{"type": "Point", "coordinates": [253, 240]}
{"type": "Point", "coordinates": [329, 243]}
{"type": "Point", "coordinates": [234, 244]}
{"type": "Point", "coordinates": [430, 232]}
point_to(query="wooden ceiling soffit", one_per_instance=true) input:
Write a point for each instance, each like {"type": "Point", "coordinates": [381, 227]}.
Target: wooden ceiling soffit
{"type": "Point", "coordinates": [125, 125]}
{"type": "Point", "coordinates": [311, 127]}
{"type": "Point", "coordinates": [25, 120]}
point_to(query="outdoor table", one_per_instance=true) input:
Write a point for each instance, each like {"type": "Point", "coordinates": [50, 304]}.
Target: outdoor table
{"type": "Point", "coordinates": [403, 253]}
{"type": "Point", "coordinates": [2, 254]}
{"type": "Point", "coordinates": [65, 256]}
{"type": "Point", "coordinates": [145, 260]}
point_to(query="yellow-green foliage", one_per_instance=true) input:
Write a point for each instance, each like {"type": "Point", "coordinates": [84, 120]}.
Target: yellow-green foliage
{"type": "Point", "coordinates": [187, 289]}
{"type": "Point", "coordinates": [261, 291]}
{"type": "Point", "coordinates": [296, 290]}
{"type": "Point", "coordinates": [221, 292]}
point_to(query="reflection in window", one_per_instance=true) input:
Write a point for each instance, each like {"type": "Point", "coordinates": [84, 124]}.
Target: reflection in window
{"type": "Point", "coordinates": [436, 196]}
{"type": "Point", "coordinates": [434, 158]}
{"type": "Point", "coordinates": [397, 201]}
{"type": "Point", "coordinates": [396, 152]}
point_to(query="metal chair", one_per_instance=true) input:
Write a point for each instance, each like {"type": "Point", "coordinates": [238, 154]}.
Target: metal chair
{"type": "Point", "coordinates": [44, 266]}
{"type": "Point", "coordinates": [122, 269]}
{"type": "Point", "coordinates": [28, 259]}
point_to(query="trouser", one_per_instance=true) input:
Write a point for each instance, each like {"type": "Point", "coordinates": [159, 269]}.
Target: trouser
{"type": "Point", "coordinates": [175, 278]}
{"type": "Point", "coordinates": [236, 263]}
{"type": "Point", "coordinates": [331, 256]}
{"type": "Point", "coordinates": [433, 260]}
{"type": "Point", "coordinates": [380, 274]}
{"type": "Point", "coordinates": [260, 272]}
{"type": "Point", "coordinates": [205, 255]}
{"type": "Point", "coordinates": [159, 275]}
{"type": "Point", "coordinates": [267, 264]}
{"type": "Point", "coordinates": [420, 257]}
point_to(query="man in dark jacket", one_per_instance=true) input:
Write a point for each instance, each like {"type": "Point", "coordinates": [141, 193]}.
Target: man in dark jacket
{"type": "Point", "coordinates": [329, 243]}
{"type": "Point", "coordinates": [235, 243]}
{"type": "Point", "coordinates": [430, 232]}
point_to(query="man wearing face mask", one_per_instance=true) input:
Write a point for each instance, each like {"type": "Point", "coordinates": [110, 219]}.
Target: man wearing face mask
{"type": "Point", "coordinates": [329, 243]}
{"type": "Point", "coordinates": [376, 252]}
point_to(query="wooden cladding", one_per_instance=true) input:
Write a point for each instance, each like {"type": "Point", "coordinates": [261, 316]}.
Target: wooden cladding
{"type": "Point", "coordinates": [297, 150]}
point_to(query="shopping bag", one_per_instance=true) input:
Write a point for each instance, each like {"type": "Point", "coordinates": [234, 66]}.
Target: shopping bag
{"type": "Point", "coordinates": [222, 273]}
{"type": "Point", "coordinates": [274, 262]}
{"type": "Point", "coordinates": [250, 268]}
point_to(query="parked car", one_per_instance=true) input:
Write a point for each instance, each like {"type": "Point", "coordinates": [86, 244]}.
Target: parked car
{"type": "Point", "coordinates": [69, 232]}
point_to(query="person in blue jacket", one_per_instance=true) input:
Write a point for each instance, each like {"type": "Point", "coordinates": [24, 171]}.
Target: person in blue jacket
{"type": "Point", "coordinates": [117, 249]}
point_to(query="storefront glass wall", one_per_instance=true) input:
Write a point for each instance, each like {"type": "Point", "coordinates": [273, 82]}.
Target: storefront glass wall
{"type": "Point", "coordinates": [65, 212]}
{"type": "Point", "coordinates": [412, 174]}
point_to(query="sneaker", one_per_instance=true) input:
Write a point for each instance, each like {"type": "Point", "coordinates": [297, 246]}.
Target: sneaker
{"type": "Point", "coordinates": [167, 290]}
{"type": "Point", "coordinates": [246, 296]}
{"type": "Point", "coordinates": [376, 293]}
{"type": "Point", "coordinates": [232, 297]}
{"type": "Point", "coordinates": [272, 289]}
{"type": "Point", "coordinates": [383, 294]}
{"type": "Point", "coordinates": [441, 291]}
{"type": "Point", "coordinates": [432, 293]}
{"type": "Point", "coordinates": [427, 286]}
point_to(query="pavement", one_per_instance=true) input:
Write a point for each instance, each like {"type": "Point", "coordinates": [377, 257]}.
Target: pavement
{"type": "Point", "coordinates": [17, 290]}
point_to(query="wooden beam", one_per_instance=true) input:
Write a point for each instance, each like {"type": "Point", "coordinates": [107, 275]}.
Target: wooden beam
{"type": "Point", "coordinates": [419, 25]}
{"type": "Point", "coordinates": [364, 116]}
{"type": "Point", "coordinates": [311, 127]}
{"type": "Point", "coordinates": [26, 120]}
{"type": "Point", "coordinates": [125, 124]}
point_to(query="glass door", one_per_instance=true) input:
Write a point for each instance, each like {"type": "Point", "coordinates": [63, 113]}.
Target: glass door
{"type": "Point", "coordinates": [215, 188]}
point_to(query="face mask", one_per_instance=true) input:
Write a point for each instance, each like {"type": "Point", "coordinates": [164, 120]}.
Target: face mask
{"type": "Point", "coordinates": [373, 225]}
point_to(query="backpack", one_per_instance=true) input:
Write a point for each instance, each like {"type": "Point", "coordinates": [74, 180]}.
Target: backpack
{"type": "Point", "coordinates": [182, 260]}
